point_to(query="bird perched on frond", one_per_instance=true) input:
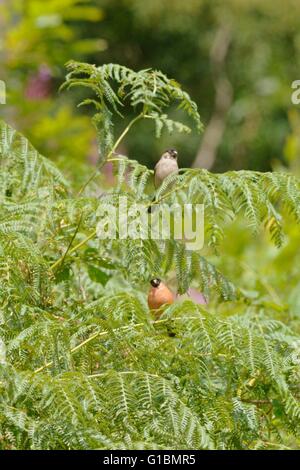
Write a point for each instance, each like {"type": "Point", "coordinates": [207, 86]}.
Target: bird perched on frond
{"type": "Point", "coordinates": [166, 165]}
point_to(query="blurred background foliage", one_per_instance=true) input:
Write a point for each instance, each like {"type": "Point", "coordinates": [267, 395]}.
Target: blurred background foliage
{"type": "Point", "coordinates": [237, 59]}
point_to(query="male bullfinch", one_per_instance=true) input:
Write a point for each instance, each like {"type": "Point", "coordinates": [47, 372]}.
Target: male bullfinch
{"type": "Point", "coordinates": [159, 295]}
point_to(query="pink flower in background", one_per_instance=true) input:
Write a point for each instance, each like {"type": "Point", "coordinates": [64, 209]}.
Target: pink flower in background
{"type": "Point", "coordinates": [194, 295]}
{"type": "Point", "coordinates": [39, 85]}
{"type": "Point", "coordinates": [197, 296]}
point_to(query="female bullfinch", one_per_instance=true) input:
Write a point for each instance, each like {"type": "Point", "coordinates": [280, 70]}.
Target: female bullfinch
{"type": "Point", "coordinates": [166, 165]}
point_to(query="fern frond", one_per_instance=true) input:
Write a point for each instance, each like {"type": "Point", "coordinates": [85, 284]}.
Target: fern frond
{"type": "Point", "coordinates": [148, 91]}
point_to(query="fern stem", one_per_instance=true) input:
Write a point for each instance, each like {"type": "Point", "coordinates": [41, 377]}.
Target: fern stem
{"type": "Point", "coordinates": [166, 195]}
{"type": "Point", "coordinates": [278, 444]}
{"type": "Point", "coordinates": [91, 177]}
{"type": "Point", "coordinates": [61, 260]}
{"type": "Point", "coordinates": [79, 245]}
{"type": "Point", "coordinates": [92, 337]}
{"type": "Point", "coordinates": [256, 402]}
{"type": "Point", "coordinates": [126, 130]}
{"type": "Point", "coordinates": [104, 333]}
{"type": "Point", "coordinates": [126, 372]}
{"type": "Point", "coordinates": [115, 146]}
{"type": "Point", "coordinates": [119, 159]}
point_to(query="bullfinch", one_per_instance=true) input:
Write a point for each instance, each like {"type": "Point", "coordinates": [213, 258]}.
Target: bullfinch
{"type": "Point", "coordinates": [166, 165]}
{"type": "Point", "coordinates": [159, 295]}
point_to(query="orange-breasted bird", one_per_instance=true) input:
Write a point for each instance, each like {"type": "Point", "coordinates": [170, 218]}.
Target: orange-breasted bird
{"type": "Point", "coordinates": [159, 295]}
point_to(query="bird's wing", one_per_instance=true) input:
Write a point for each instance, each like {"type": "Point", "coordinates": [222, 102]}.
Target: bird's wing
{"type": "Point", "coordinates": [155, 168]}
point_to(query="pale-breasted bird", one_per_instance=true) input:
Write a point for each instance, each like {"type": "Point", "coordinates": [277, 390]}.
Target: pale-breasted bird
{"type": "Point", "coordinates": [166, 165]}
{"type": "Point", "coordinates": [159, 295]}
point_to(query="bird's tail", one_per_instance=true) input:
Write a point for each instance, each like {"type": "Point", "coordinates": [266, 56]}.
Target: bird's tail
{"type": "Point", "coordinates": [151, 206]}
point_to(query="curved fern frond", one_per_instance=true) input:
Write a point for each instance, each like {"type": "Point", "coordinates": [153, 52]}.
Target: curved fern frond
{"type": "Point", "coordinates": [148, 91]}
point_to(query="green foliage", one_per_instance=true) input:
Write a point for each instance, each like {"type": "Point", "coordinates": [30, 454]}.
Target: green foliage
{"type": "Point", "coordinates": [37, 38]}
{"type": "Point", "coordinates": [83, 365]}
{"type": "Point", "coordinates": [148, 92]}
{"type": "Point", "coordinates": [260, 198]}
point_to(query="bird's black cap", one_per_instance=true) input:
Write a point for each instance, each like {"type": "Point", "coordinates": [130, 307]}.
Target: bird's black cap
{"type": "Point", "coordinates": [172, 152]}
{"type": "Point", "coordinates": [155, 282]}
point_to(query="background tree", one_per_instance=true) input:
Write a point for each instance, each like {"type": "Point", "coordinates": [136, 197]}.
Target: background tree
{"type": "Point", "coordinates": [248, 118]}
